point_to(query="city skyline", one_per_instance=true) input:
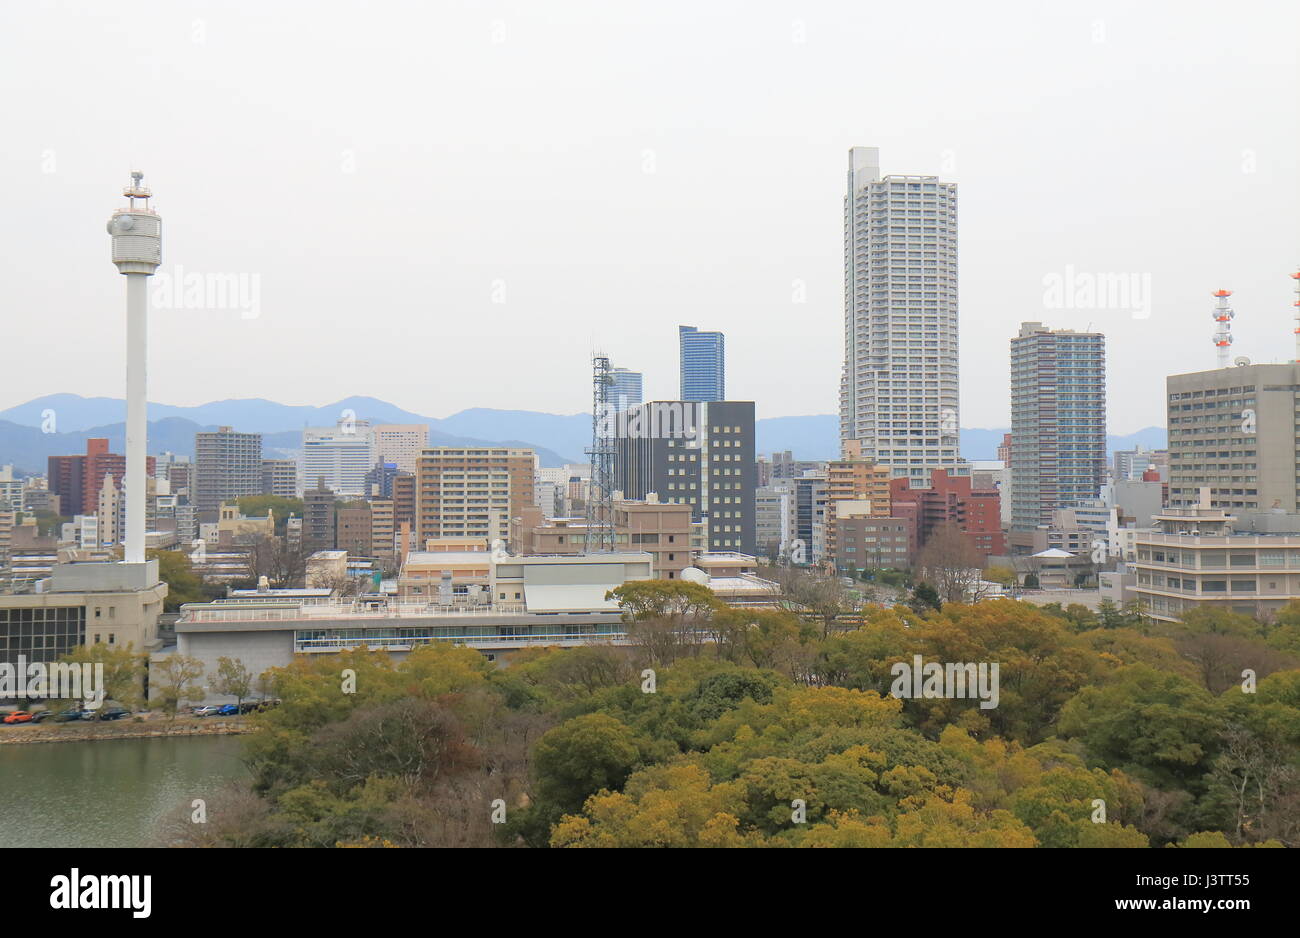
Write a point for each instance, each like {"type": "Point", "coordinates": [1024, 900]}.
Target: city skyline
{"type": "Point", "coordinates": [704, 244]}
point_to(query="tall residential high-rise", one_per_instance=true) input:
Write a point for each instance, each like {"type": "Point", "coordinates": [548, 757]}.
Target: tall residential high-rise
{"type": "Point", "coordinates": [227, 465]}
{"type": "Point", "coordinates": [703, 364]}
{"type": "Point", "coordinates": [1233, 431]}
{"type": "Point", "coordinates": [626, 390]}
{"type": "Point", "coordinates": [318, 518]}
{"type": "Point", "coordinates": [280, 477]}
{"type": "Point", "coordinates": [898, 389]}
{"type": "Point", "coordinates": [1058, 421]}
{"type": "Point", "coordinates": [471, 492]}
{"type": "Point", "coordinates": [693, 453]}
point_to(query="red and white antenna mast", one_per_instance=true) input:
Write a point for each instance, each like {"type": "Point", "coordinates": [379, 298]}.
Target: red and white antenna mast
{"type": "Point", "coordinates": [1223, 315]}
{"type": "Point", "coordinates": [1296, 277]}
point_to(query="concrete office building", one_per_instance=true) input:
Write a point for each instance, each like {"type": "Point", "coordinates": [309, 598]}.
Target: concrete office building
{"type": "Point", "coordinates": [227, 465]}
{"type": "Point", "coordinates": [862, 541]}
{"type": "Point", "coordinates": [899, 387]}
{"type": "Point", "coordinates": [1058, 421]}
{"type": "Point", "coordinates": [1202, 555]}
{"type": "Point", "coordinates": [471, 491]}
{"type": "Point", "coordinates": [1130, 464]}
{"type": "Point", "coordinates": [703, 364]}
{"type": "Point", "coordinates": [773, 521]}
{"type": "Point", "coordinates": [399, 444]}
{"type": "Point", "coordinates": [693, 453]}
{"type": "Point", "coordinates": [114, 604]}
{"type": "Point", "coordinates": [811, 498]}
{"type": "Point", "coordinates": [1234, 431]}
{"type": "Point", "coordinates": [660, 529]}
{"type": "Point", "coordinates": [341, 455]}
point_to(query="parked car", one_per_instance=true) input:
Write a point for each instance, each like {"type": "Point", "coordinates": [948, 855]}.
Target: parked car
{"type": "Point", "coordinates": [69, 715]}
{"type": "Point", "coordinates": [114, 713]}
{"type": "Point", "coordinates": [205, 711]}
{"type": "Point", "coordinates": [18, 716]}
{"type": "Point", "coordinates": [40, 716]}
{"type": "Point", "coordinates": [249, 706]}
{"type": "Point", "coordinates": [229, 710]}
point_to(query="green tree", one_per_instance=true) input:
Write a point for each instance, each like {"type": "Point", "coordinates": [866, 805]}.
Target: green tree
{"type": "Point", "coordinates": [174, 680]}
{"type": "Point", "coordinates": [183, 584]}
{"type": "Point", "coordinates": [256, 506]}
{"type": "Point", "coordinates": [233, 679]}
{"type": "Point", "coordinates": [1159, 727]}
{"type": "Point", "coordinates": [583, 756]}
{"type": "Point", "coordinates": [123, 668]}
{"type": "Point", "coordinates": [926, 596]}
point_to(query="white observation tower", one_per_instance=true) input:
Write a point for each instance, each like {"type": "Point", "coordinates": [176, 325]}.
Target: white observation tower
{"type": "Point", "coordinates": [137, 252]}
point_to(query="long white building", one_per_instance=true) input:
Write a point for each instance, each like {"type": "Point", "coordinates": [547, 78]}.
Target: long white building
{"type": "Point", "coordinates": [340, 455]}
{"type": "Point", "coordinates": [898, 391]}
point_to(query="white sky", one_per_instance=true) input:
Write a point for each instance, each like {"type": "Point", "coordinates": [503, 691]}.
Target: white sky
{"type": "Point", "coordinates": [497, 142]}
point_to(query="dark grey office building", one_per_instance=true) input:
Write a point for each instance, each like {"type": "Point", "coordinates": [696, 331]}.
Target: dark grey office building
{"type": "Point", "coordinates": [694, 453]}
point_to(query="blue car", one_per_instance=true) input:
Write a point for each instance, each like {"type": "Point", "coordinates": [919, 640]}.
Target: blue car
{"type": "Point", "coordinates": [229, 710]}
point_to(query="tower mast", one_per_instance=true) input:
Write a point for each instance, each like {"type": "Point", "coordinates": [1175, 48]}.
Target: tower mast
{"type": "Point", "coordinates": [1223, 315]}
{"type": "Point", "coordinates": [137, 252]}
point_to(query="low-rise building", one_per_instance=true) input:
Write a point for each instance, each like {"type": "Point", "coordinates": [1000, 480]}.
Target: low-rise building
{"type": "Point", "coordinates": [1204, 556]}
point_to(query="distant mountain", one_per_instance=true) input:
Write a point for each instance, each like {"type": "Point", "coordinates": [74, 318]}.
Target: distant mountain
{"type": "Point", "coordinates": [28, 449]}
{"type": "Point", "coordinates": [814, 437]}
{"type": "Point", "coordinates": [570, 434]}
{"type": "Point", "coordinates": [557, 438]}
{"type": "Point", "coordinates": [1149, 438]}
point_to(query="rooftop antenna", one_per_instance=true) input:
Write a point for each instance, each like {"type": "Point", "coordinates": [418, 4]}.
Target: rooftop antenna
{"type": "Point", "coordinates": [600, 502]}
{"type": "Point", "coordinates": [1223, 315]}
{"type": "Point", "coordinates": [1296, 277]}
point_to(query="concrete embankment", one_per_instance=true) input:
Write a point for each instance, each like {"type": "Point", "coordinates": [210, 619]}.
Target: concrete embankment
{"type": "Point", "coordinates": [121, 729]}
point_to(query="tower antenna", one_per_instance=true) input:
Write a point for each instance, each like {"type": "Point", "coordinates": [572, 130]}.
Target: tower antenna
{"type": "Point", "coordinates": [1223, 315]}
{"type": "Point", "coordinates": [600, 500]}
{"type": "Point", "coordinates": [137, 252]}
{"type": "Point", "coordinates": [1296, 277]}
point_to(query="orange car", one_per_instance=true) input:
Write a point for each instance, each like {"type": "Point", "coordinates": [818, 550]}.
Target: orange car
{"type": "Point", "coordinates": [19, 716]}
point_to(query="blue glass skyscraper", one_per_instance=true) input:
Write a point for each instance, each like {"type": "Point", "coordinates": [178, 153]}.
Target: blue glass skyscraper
{"type": "Point", "coordinates": [626, 389]}
{"type": "Point", "coordinates": [703, 357]}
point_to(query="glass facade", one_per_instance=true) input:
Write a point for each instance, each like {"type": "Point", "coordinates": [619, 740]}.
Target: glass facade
{"type": "Point", "coordinates": [43, 633]}
{"type": "Point", "coordinates": [703, 361]}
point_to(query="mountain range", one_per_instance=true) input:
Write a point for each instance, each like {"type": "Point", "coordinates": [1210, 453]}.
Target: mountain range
{"type": "Point", "coordinates": [57, 424]}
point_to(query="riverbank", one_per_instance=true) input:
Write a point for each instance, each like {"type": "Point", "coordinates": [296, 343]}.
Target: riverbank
{"type": "Point", "coordinates": [158, 728]}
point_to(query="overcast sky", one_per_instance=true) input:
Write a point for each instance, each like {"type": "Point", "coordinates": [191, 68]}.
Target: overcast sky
{"type": "Point", "coordinates": [449, 205]}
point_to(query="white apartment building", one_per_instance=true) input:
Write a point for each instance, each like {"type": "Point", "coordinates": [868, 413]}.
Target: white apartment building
{"type": "Point", "coordinates": [899, 391]}
{"type": "Point", "coordinates": [340, 455]}
{"type": "Point", "coordinates": [11, 489]}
